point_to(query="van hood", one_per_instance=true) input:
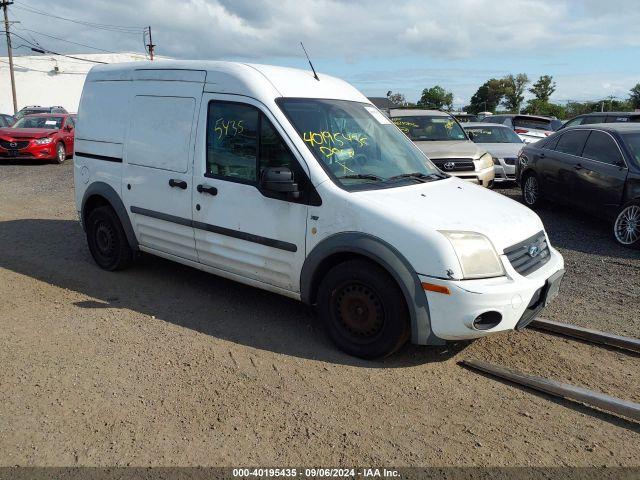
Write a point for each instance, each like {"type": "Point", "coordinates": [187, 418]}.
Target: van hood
{"type": "Point", "coordinates": [18, 133]}
{"type": "Point", "coordinates": [454, 204]}
{"type": "Point", "coordinates": [451, 149]}
{"type": "Point", "coordinates": [503, 150]}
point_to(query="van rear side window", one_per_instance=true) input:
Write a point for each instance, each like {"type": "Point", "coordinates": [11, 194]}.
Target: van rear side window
{"type": "Point", "coordinates": [160, 132]}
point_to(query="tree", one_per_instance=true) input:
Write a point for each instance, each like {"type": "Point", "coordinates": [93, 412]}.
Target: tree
{"type": "Point", "coordinates": [398, 99]}
{"type": "Point", "coordinates": [488, 96]}
{"type": "Point", "coordinates": [514, 91]}
{"type": "Point", "coordinates": [539, 107]}
{"type": "Point", "coordinates": [543, 88]}
{"type": "Point", "coordinates": [634, 98]}
{"type": "Point", "coordinates": [436, 98]}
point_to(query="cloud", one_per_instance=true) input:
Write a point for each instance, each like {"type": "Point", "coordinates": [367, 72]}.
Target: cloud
{"type": "Point", "coordinates": [348, 29]}
{"type": "Point", "coordinates": [344, 35]}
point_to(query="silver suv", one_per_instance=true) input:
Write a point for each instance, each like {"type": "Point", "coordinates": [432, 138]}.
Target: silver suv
{"type": "Point", "coordinates": [443, 140]}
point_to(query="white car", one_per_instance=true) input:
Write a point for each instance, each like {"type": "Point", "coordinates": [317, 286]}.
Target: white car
{"type": "Point", "coordinates": [501, 143]}
{"type": "Point", "coordinates": [530, 128]}
{"type": "Point", "coordinates": [300, 186]}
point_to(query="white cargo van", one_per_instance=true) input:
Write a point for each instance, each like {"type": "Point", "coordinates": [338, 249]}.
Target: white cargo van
{"type": "Point", "coordinates": [270, 177]}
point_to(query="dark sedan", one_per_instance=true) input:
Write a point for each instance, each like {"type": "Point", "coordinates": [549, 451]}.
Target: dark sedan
{"type": "Point", "coordinates": [593, 167]}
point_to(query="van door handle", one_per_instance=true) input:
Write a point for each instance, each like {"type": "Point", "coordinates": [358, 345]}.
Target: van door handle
{"type": "Point", "coordinates": [178, 183]}
{"type": "Point", "coordinates": [578, 166]}
{"type": "Point", "coordinates": [541, 155]}
{"type": "Point", "coordinates": [206, 189]}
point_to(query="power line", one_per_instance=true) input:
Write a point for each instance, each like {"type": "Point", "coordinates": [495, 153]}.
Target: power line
{"type": "Point", "coordinates": [67, 41]}
{"type": "Point", "coordinates": [99, 26]}
{"type": "Point", "coordinates": [36, 47]}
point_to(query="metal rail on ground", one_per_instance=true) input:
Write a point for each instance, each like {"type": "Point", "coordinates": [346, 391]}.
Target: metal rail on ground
{"type": "Point", "coordinates": [587, 334]}
{"type": "Point", "coordinates": [559, 389]}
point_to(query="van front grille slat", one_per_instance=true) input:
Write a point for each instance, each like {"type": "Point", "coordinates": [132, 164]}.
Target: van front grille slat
{"type": "Point", "coordinates": [529, 255]}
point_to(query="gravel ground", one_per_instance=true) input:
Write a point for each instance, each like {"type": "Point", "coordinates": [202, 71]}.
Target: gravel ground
{"type": "Point", "coordinates": [166, 365]}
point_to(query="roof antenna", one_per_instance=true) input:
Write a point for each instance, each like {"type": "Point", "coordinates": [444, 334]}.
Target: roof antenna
{"type": "Point", "coordinates": [315, 75]}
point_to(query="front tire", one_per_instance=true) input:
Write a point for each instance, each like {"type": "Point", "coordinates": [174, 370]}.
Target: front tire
{"type": "Point", "coordinates": [107, 241]}
{"type": "Point", "coordinates": [363, 309]}
{"type": "Point", "coordinates": [531, 191]}
{"type": "Point", "coordinates": [61, 153]}
{"type": "Point", "coordinates": [626, 227]}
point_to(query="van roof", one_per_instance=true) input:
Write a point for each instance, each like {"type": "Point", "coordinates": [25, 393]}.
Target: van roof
{"type": "Point", "coordinates": [257, 81]}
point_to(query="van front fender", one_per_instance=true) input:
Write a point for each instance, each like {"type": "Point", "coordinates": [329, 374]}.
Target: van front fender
{"type": "Point", "coordinates": [329, 250]}
{"type": "Point", "coordinates": [106, 191]}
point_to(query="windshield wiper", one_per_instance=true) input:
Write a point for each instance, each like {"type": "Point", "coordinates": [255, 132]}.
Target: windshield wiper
{"type": "Point", "coordinates": [419, 176]}
{"type": "Point", "coordinates": [363, 176]}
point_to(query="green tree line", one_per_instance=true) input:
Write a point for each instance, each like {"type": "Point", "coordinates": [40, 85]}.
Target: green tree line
{"type": "Point", "coordinates": [507, 95]}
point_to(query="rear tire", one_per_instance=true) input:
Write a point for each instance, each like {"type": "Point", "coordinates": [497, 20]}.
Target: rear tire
{"type": "Point", "coordinates": [363, 309]}
{"type": "Point", "coordinates": [626, 227]}
{"type": "Point", "coordinates": [107, 241]}
{"type": "Point", "coordinates": [531, 191]}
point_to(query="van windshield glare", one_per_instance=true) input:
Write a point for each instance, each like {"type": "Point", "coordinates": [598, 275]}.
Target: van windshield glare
{"type": "Point", "coordinates": [357, 145]}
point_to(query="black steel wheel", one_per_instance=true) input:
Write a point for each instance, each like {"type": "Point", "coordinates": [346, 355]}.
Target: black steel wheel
{"type": "Point", "coordinates": [363, 309]}
{"type": "Point", "coordinates": [107, 241]}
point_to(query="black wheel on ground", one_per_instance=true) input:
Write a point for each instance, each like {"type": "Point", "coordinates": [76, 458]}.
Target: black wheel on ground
{"type": "Point", "coordinates": [61, 153]}
{"type": "Point", "coordinates": [626, 227]}
{"type": "Point", "coordinates": [531, 190]}
{"type": "Point", "coordinates": [363, 309]}
{"type": "Point", "coordinates": [107, 241]}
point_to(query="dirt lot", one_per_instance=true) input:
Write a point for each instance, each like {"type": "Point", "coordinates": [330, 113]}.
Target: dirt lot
{"type": "Point", "coordinates": [166, 365]}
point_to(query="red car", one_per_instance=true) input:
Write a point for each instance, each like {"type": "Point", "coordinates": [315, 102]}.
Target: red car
{"type": "Point", "coordinates": [43, 136]}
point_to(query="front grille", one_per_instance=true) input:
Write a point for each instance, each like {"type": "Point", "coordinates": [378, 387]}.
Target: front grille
{"type": "Point", "coordinates": [529, 255]}
{"type": "Point", "coordinates": [459, 164]}
{"type": "Point", "coordinates": [510, 161]}
{"type": "Point", "coordinates": [6, 144]}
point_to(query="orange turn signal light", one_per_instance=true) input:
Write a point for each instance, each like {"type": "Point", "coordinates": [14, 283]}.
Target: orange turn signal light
{"type": "Point", "coordinates": [432, 287]}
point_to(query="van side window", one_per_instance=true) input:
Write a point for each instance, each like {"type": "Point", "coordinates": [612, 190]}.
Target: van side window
{"type": "Point", "coordinates": [273, 151]}
{"type": "Point", "coordinates": [232, 141]}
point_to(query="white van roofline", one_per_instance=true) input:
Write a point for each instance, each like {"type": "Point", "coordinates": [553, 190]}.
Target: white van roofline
{"type": "Point", "coordinates": [262, 82]}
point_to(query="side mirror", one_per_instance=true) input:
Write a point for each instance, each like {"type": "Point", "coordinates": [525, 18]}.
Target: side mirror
{"type": "Point", "coordinates": [280, 180]}
{"type": "Point", "coordinates": [470, 134]}
{"type": "Point", "coordinates": [68, 128]}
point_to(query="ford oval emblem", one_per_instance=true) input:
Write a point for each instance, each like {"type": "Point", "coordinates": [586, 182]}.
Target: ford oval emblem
{"type": "Point", "coordinates": [449, 165]}
{"type": "Point", "coordinates": [533, 251]}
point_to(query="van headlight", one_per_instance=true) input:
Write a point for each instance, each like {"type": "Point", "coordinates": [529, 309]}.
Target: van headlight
{"type": "Point", "coordinates": [485, 161]}
{"type": "Point", "coordinates": [478, 258]}
{"type": "Point", "coordinates": [43, 141]}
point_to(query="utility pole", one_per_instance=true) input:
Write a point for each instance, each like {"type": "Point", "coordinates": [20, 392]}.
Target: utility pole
{"type": "Point", "coordinates": [5, 4]}
{"type": "Point", "coordinates": [150, 45]}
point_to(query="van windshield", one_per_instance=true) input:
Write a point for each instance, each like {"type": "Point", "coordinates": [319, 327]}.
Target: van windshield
{"type": "Point", "coordinates": [430, 128]}
{"type": "Point", "coordinates": [357, 145]}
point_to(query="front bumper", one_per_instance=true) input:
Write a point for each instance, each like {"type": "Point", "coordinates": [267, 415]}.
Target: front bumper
{"type": "Point", "coordinates": [513, 296]}
{"type": "Point", "coordinates": [504, 172]}
{"type": "Point", "coordinates": [32, 152]}
{"type": "Point", "coordinates": [482, 177]}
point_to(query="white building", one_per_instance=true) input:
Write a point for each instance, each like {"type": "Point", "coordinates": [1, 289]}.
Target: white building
{"type": "Point", "coordinates": [51, 79]}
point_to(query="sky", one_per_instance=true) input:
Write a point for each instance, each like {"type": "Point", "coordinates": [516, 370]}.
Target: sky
{"type": "Point", "coordinates": [590, 47]}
